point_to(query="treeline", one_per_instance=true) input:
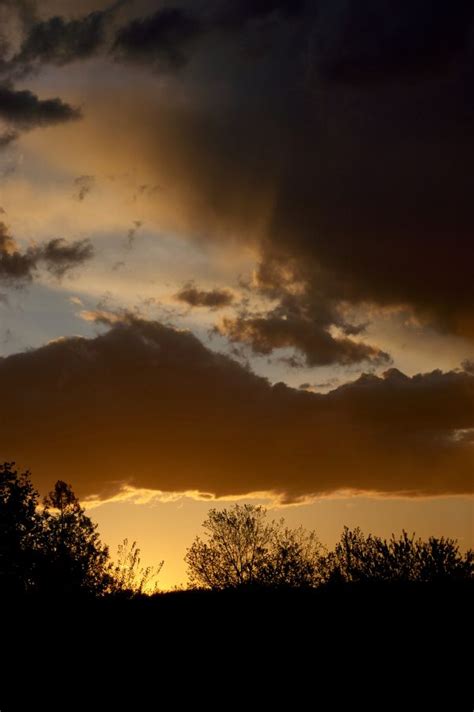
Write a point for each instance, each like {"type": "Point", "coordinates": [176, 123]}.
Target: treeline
{"type": "Point", "coordinates": [52, 548]}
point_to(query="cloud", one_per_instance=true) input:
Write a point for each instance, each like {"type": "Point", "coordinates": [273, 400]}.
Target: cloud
{"type": "Point", "coordinates": [319, 347]}
{"type": "Point", "coordinates": [57, 255]}
{"type": "Point", "coordinates": [61, 256]}
{"type": "Point", "coordinates": [337, 139]}
{"type": "Point", "coordinates": [59, 41]}
{"type": "Point", "coordinates": [342, 146]}
{"type": "Point", "coordinates": [149, 406]}
{"type": "Point", "coordinates": [212, 298]}
{"type": "Point", "coordinates": [15, 267]}
{"type": "Point", "coordinates": [83, 184]}
{"type": "Point", "coordinates": [161, 40]}
{"type": "Point", "coordinates": [132, 233]}
{"type": "Point", "coordinates": [304, 318]}
{"type": "Point", "coordinates": [24, 110]}
{"type": "Point", "coordinates": [56, 40]}
{"type": "Point", "coordinates": [235, 15]}
{"type": "Point", "coordinates": [375, 41]}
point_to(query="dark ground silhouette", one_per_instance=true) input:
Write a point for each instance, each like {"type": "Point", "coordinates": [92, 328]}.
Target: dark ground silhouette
{"type": "Point", "coordinates": [372, 624]}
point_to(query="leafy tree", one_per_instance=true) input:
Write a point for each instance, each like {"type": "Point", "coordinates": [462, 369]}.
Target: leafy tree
{"type": "Point", "coordinates": [358, 558]}
{"type": "Point", "coordinates": [19, 524]}
{"type": "Point", "coordinates": [74, 559]}
{"type": "Point", "coordinates": [128, 577]}
{"type": "Point", "coordinates": [243, 549]}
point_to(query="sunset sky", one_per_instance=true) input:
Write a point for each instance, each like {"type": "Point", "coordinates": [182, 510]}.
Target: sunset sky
{"type": "Point", "coordinates": [236, 262]}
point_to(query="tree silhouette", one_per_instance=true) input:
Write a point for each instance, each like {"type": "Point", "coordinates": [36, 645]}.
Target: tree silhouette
{"type": "Point", "coordinates": [360, 558]}
{"type": "Point", "coordinates": [243, 549]}
{"type": "Point", "coordinates": [19, 526]}
{"type": "Point", "coordinates": [74, 559]}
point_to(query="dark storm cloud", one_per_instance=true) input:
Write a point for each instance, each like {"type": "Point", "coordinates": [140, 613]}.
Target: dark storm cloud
{"type": "Point", "coordinates": [25, 110]}
{"type": "Point", "coordinates": [349, 128]}
{"type": "Point", "coordinates": [162, 39]}
{"type": "Point", "coordinates": [57, 255]}
{"type": "Point", "coordinates": [337, 135]}
{"type": "Point", "coordinates": [190, 419]}
{"type": "Point", "coordinates": [211, 298]}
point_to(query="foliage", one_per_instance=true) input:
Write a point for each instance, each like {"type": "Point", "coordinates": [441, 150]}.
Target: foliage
{"type": "Point", "coordinates": [19, 525]}
{"type": "Point", "coordinates": [128, 577]}
{"type": "Point", "coordinates": [295, 559]}
{"type": "Point", "coordinates": [75, 560]}
{"type": "Point", "coordinates": [358, 558]}
{"type": "Point", "coordinates": [243, 549]}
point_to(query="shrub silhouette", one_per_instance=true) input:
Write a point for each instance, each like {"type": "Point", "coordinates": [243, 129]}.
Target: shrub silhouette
{"type": "Point", "coordinates": [127, 577]}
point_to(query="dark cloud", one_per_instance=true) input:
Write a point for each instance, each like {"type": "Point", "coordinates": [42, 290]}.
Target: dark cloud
{"type": "Point", "coordinates": [25, 110]}
{"type": "Point", "coordinates": [318, 346]}
{"type": "Point", "coordinates": [132, 233]}
{"type": "Point", "coordinates": [304, 319]}
{"type": "Point", "coordinates": [8, 137]}
{"type": "Point", "coordinates": [83, 185]}
{"type": "Point", "coordinates": [336, 135]}
{"type": "Point", "coordinates": [162, 40]}
{"type": "Point", "coordinates": [60, 256]}
{"type": "Point", "coordinates": [57, 255]}
{"type": "Point", "coordinates": [376, 40]}
{"type": "Point", "coordinates": [59, 41]}
{"type": "Point", "coordinates": [362, 186]}
{"type": "Point", "coordinates": [15, 267]}
{"type": "Point", "coordinates": [212, 298]}
{"type": "Point", "coordinates": [233, 15]}
{"type": "Point", "coordinates": [191, 419]}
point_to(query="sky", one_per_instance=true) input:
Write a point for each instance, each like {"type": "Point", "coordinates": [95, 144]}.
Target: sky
{"type": "Point", "coordinates": [236, 248]}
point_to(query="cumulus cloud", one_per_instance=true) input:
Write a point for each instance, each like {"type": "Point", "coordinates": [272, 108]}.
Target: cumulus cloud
{"type": "Point", "coordinates": [25, 110]}
{"type": "Point", "coordinates": [186, 418]}
{"type": "Point", "coordinates": [211, 298]}
{"type": "Point", "coordinates": [57, 255]}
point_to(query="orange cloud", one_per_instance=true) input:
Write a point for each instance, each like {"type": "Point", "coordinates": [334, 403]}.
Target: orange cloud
{"type": "Point", "coordinates": [147, 406]}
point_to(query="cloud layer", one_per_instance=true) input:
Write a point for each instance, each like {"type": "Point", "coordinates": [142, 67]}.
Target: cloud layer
{"type": "Point", "coordinates": [149, 406]}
